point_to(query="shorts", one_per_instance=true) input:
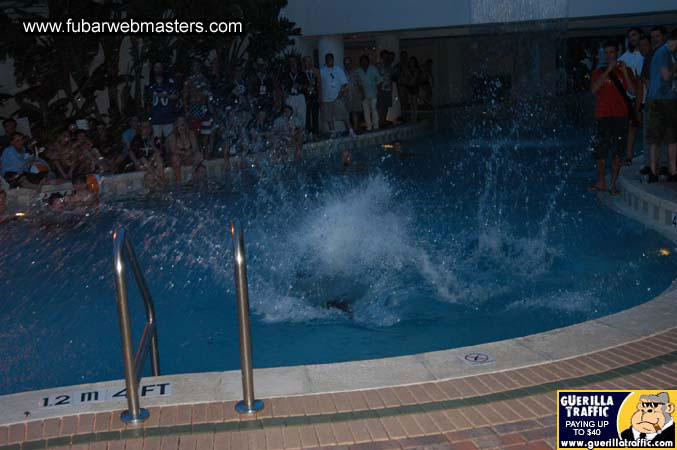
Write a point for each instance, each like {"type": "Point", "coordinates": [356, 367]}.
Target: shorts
{"type": "Point", "coordinates": [662, 128]}
{"type": "Point", "coordinates": [610, 135]}
{"type": "Point", "coordinates": [163, 130]}
{"type": "Point", "coordinates": [335, 110]}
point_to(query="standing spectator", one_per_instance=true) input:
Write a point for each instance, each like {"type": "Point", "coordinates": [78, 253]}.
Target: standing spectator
{"type": "Point", "coordinates": [611, 112]}
{"type": "Point", "coordinates": [634, 60]}
{"type": "Point", "coordinates": [199, 114]}
{"type": "Point", "coordinates": [658, 36]}
{"type": "Point", "coordinates": [642, 92]}
{"type": "Point", "coordinates": [261, 88]}
{"type": "Point", "coordinates": [237, 90]}
{"type": "Point", "coordinates": [9, 125]}
{"type": "Point", "coordinates": [370, 79]}
{"type": "Point", "coordinates": [333, 82]}
{"type": "Point", "coordinates": [662, 100]}
{"type": "Point", "coordinates": [161, 101]}
{"type": "Point", "coordinates": [398, 77]}
{"type": "Point", "coordinates": [385, 92]}
{"type": "Point", "coordinates": [312, 96]}
{"type": "Point", "coordinates": [354, 92]}
{"type": "Point", "coordinates": [294, 84]}
{"type": "Point", "coordinates": [426, 82]}
{"type": "Point", "coordinates": [409, 77]}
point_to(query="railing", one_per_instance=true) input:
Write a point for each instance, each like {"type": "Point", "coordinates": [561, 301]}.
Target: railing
{"type": "Point", "coordinates": [134, 363]}
{"type": "Point", "coordinates": [249, 405]}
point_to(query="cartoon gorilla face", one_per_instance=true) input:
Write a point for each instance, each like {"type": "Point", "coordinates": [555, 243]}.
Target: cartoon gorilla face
{"type": "Point", "coordinates": [651, 416]}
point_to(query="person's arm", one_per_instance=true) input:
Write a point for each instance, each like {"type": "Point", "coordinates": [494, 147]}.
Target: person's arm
{"type": "Point", "coordinates": [629, 79]}
{"type": "Point", "coordinates": [318, 80]}
{"type": "Point", "coordinates": [640, 95]}
{"type": "Point", "coordinates": [667, 70]}
{"type": "Point", "coordinates": [597, 81]}
{"type": "Point", "coordinates": [193, 142]}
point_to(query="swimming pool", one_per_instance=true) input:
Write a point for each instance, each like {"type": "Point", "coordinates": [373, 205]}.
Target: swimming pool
{"type": "Point", "coordinates": [478, 236]}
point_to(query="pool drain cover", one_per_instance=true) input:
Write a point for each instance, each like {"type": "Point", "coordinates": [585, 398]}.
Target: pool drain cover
{"type": "Point", "coordinates": [477, 358]}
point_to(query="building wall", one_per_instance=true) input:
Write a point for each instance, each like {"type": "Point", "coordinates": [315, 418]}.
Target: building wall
{"type": "Point", "coordinates": [320, 17]}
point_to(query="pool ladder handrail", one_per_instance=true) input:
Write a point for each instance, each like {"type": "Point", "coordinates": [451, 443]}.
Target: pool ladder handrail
{"type": "Point", "coordinates": [134, 363]}
{"type": "Point", "coordinates": [249, 405]}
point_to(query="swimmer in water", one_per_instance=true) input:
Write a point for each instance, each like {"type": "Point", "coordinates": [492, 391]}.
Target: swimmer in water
{"type": "Point", "coordinates": [346, 158]}
{"type": "Point", "coordinates": [347, 161]}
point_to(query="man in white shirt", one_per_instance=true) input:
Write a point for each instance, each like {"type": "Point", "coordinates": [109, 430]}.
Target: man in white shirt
{"type": "Point", "coordinates": [633, 59]}
{"type": "Point", "coordinates": [370, 80]}
{"type": "Point", "coordinates": [333, 82]}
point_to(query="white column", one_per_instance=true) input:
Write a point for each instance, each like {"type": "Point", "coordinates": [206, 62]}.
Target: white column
{"type": "Point", "coordinates": [331, 44]}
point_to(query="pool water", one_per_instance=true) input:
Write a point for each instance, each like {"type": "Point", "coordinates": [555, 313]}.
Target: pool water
{"type": "Point", "coordinates": [476, 237]}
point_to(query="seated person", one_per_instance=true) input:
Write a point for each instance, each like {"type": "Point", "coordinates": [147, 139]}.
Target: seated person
{"type": "Point", "coordinates": [114, 160]}
{"type": "Point", "coordinates": [88, 152]}
{"type": "Point", "coordinates": [289, 132]}
{"type": "Point", "coordinates": [16, 166]}
{"type": "Point", "coordinates": [146, 151]}
{"type": "Point", "coordinates": [129, 133]}
{"type": "Point", "coordinates": [183, 147]}
{"type": "Point", "coordinates": [71, 157]}
{"type": "Point", "coordinates": [258, 133]}
{"type": "Point", "coordinates": [199, 114]}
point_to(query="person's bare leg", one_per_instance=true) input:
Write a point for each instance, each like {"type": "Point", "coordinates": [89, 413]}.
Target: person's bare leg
{"type": "Point", "coordinates": [672, 155]}
{"type": "Point", "coordinates": [176, 166]}
{"type": "Point", "coordinates": [615, 170]}
{"type": "Point", "coordinates": [632, 135]}
{"type": "Point", "coordinates": [601, 172]}
{"type": "Point", "coordinates": [654, 159]}
{"type": "Point", "coordinates": [298, 145]}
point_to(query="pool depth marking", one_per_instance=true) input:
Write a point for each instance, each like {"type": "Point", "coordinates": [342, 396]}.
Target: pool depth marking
{"type": "Point", "coordinates": [477, 358]}
{"type": "Point", "coordinates": [70, 398]}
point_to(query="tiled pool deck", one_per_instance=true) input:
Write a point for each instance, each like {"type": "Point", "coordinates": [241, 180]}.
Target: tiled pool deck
{"type": "Point", "coordinates": [513, 408]}
{"type": "Point", "coordinates": [431, 400]}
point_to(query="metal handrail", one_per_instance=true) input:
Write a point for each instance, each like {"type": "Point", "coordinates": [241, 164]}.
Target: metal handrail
{"type": "Point", "coordinates": [249, 405]}
{"type": "Point", "coordinates": [134, 363]}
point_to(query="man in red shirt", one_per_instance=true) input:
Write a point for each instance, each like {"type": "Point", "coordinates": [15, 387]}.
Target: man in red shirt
{"type": "Point", "coordinates": [610, 85]}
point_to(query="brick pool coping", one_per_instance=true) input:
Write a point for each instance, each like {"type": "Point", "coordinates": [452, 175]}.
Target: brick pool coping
{"type": "Point", "coordinates": [493, 408]}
